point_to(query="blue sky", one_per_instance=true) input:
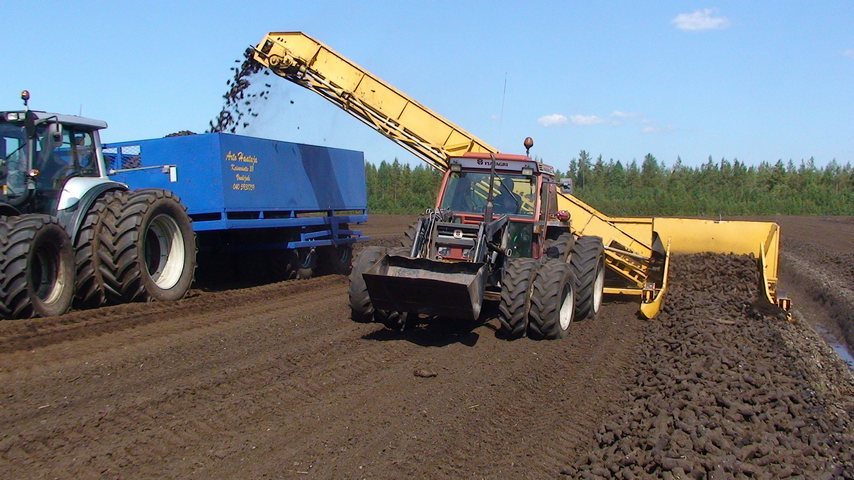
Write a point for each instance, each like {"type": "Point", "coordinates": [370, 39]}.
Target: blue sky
{"type": "Point", "coordinates": [749, 80]}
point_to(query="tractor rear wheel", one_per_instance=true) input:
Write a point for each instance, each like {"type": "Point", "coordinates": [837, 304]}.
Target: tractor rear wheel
{"type": "Point", "coordinates": [89, 290]}
{"type": "Point", "coordinates": [36, 267]}
{"type": "Point", "coordinates": [361, 309]}
{"type": "Point", "coordinates": [588, 265]}
{"type": "Point", "coordinates": [153, 248]}
{"type": "Point", "coordinates": [515, 296]}
{"type": "Point", "coordinates": [562, 246]}
{"type": "Point", "coordinates": [552, 301]}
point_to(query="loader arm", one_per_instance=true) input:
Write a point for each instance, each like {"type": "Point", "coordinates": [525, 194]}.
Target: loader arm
{"type": "Point", "coordinates": [637, 250]}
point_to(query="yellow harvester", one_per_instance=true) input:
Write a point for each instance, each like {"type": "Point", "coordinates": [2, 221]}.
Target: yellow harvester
{"type": "Point", "coordinates": [633, 246]}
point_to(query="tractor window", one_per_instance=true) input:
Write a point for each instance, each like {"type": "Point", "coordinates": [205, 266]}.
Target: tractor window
{"type": "Point", "coordinates": [13, 164]}
{"type": "Point", "coordinates": [467, 192]}
{"type": "Point", "coordinates": [84, 152]}
{"type": "Point", "coordinates": [74, 155]}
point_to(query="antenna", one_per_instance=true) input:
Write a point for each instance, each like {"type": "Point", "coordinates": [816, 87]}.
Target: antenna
{"type": "Point", "coordinates": [501, 115]}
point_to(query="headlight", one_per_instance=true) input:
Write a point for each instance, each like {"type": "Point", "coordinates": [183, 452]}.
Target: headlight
{"type": "Point", "coordinates": [14, 116]}
{"type": "Point", "coordinates": [443, 251]}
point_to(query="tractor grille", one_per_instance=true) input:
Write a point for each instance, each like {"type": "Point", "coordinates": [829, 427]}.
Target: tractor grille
{"type": "Point", "coordinates": [456, 234]}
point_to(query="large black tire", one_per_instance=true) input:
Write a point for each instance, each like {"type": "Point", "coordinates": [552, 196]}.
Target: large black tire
{"type": "Point", "coordinates": [562, 247]}
{"type": "Point", "coordinates": [153, 248]}
{"type": "Point", "coordinates": [552, 301]}
{"type": "Point", "coordinates": [515, 296]}
{"type": "Point", "coordinates": [89, 290]}
{"type": "Point", "coordinates": [588, 266]}
{"type": "Point", "coordinates": [393, 320]}
{"type": "Point", "coordinates": [361, 309]}
{"type": "Point", "coordinates": [36, 267]}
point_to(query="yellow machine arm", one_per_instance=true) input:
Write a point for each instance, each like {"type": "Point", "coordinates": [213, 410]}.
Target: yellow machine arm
{"type": "Point", "coordinates": [630, 243]}
{"type": "Point", "coordinates": [311, 64]}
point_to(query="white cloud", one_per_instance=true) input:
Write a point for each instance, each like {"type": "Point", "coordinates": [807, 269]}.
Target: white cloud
{"type": "Point", "coordinates": [849, 53]}
{"type": "Point", "coordinates": [585, 120]}
{"type": "Point", "coordinates": [698, 20]}
{"type": "Point", "coordinates": [619, 114]}
{"type": "Point", "coordinates": [618, 117]}
{"type": "Point", "coordinates": [650, 129]}
{"type": "Point", "coordinates": [551, 120]}
{"type": "Point", "coordinates": [614, 119]}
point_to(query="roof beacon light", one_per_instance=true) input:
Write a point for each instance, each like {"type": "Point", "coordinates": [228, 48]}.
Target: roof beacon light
{"type": "Point", "coordinates": [529, 142]}
{"type": "Point", "coordinates": [25, 96]}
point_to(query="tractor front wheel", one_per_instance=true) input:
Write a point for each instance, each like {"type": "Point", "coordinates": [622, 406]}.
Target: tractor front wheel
{"type": "Point", "coordinates": [361, 309]}
{"type": "Point", "coordinates": [36, 267]}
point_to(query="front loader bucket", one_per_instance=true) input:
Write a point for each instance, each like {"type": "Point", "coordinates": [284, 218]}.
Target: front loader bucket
{"type": "Point", "coordinates": [452, 289]}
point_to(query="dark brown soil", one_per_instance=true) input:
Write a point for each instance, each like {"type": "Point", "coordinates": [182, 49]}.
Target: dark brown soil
{"type": "Point", "coordinates": [818, 267]}
{"type": "Point", "coordinates": [275, 381]}
{"type": "Point", "coordinates": [726, 389]}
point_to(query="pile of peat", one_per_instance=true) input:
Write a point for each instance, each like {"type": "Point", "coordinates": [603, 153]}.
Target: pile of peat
{"type": "Point", "coordinates": [727, 390]}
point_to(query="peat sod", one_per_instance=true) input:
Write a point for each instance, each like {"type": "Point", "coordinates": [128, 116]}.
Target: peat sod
{"type": "Point", "coordinates": [723, 392]}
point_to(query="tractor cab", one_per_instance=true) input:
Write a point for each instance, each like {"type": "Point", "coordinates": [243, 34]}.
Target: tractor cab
{"type": "Point", "coordinates": [39, 153]}
{"type": "Point", "coordinates": [521, 189]}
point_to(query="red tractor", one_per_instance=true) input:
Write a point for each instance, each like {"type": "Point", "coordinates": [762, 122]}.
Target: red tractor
{"type": "Point", "coordinates": [495, 235]}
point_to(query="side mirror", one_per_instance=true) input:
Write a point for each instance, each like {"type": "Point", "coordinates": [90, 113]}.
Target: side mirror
{"type": "Point", "coordinates": [55, 131]}
{"type": "Point", "coordinates": [566, 185]}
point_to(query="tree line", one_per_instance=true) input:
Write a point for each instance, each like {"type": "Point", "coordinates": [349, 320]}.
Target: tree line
{"type": "Point", "coordinates": [722, 188]}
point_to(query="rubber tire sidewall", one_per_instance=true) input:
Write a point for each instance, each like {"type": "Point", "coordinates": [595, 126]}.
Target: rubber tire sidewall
{"type": "Point", "coordinates": [552, 282]}
{"type": "Point", "coordinates": [126, 222]}
{"type": "Point", "coordinates": [587, 261]}
{"type": "Point", "coordinates": [172, 208]}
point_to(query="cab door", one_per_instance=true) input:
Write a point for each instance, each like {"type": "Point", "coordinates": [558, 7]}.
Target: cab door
{"type": "Point", "coordinates": [58, 159]}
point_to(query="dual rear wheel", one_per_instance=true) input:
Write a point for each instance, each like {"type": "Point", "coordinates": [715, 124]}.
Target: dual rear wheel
{"type": "Point", "coordinates": [541, 299]}
{"type": "Point", "coordinates": [146, 248]}
{"type": "Point", "coordinates": [537, 299]}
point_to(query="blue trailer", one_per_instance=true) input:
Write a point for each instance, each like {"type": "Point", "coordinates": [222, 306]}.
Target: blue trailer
{"type": "Point", "coordinates": [294, 203]}
{"type": "Point", "coordinates": [87, 224]}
